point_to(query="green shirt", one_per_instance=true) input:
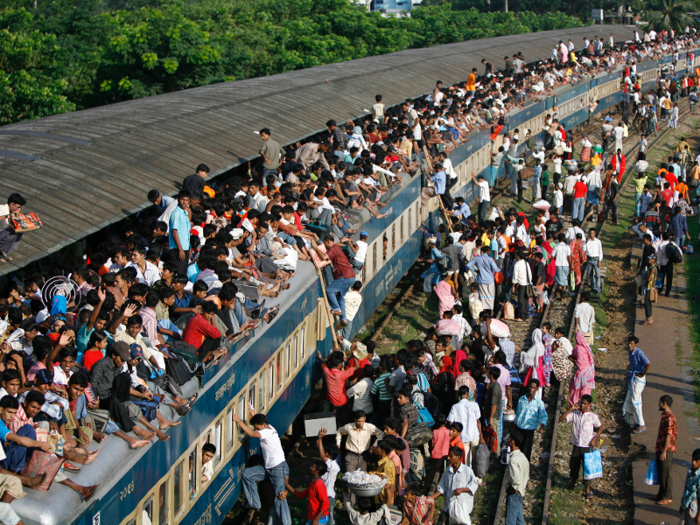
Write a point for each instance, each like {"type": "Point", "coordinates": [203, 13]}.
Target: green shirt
{"type": "Point", "coordinates": [639, 184]}
{"type": "Point", "coordinates": [380, 387]}
{"type": "Point", "coordinates": [545, 178]}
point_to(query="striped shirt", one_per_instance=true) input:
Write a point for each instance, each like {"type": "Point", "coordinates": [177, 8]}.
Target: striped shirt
{"type": "Point", "coordinates": [380, 387]}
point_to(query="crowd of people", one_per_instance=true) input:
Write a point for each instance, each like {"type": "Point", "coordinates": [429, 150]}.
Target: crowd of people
{"type": "Point", "coordinates": [166, 295]}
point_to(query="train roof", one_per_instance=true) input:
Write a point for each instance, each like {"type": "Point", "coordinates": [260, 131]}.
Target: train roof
{"type": "Point", "coordinates": [85, 170]}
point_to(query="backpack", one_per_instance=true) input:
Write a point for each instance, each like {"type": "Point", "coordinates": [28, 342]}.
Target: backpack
{"type": "Point", "coordinates": [148, 408]}
{"type": "Point", "coordinates": [673, 252]}
{"type": "Point", "coordinates": [444, 263]}
{"type": "Point", "coordinates": [177, 369]}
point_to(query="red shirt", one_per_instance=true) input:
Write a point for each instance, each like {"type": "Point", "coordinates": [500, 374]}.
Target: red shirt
{"type": "Point", "coordinates": [335, 384]}
{"type": "Point", "coordinates": [441, 443]}
{"type": "Point", "coordinates": [667, 195]}
{"type": "Point", "coordinates": [318, 499]}
{"type": "Point", "coordinates": [580, 190]}
{"type": "Point", "coordinates": [91, 357]}
{"type": "Point", "coordinates": [667, 427]}
{"type": "Point", "coordinates": [341, 266]}
{"type": "Point", "coordinates": [197, 330]}
{"type": "Point", "coordinates": [671, 179]}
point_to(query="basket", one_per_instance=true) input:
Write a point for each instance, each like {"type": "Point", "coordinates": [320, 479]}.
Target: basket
{"type": "Point", "coordinates": [367, 491]}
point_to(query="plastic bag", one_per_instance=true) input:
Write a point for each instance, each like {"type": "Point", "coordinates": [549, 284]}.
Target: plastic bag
{"type": "Point", "coordinates": [460, 508]}
{"type": "Point", "coordinates": [592, 465]}
{"type": "Point", "coordinates": [480, 462]}
{"type": "Point", "coordinates": [652, 474]}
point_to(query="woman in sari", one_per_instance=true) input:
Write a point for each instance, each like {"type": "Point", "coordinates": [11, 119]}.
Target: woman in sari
{"type": "Point", "coordinates": [547, 358]}
{"type": "Point", "coordinates": [446, 297]}
{"type": "Point", "coordinates": [583, 380]}
{"type": "Point", "coordinates": [531, 361]}
{"type": "Point", "coordinates": [578, 257]}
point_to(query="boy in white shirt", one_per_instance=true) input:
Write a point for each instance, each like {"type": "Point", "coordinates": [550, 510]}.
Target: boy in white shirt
{"type": "Point", "coordinates": [276, 468]}
{"type": "Point", "coordinates": [558, 198]}
{"type": "Point", "coordinates": [330, 458]}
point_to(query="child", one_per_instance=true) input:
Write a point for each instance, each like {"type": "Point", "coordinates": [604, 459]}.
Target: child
{"type": "Point", "coordinates": [586, 431]}
{"type": "Point", "coordinates": [417, 509]}
{"type": "Point", "coordinates": [558, 198]}
{"type": "Point", "coordinates": [317, 510]}
{"type": "Point", "coordinates": [456, 439]}
{"type": "Point", "coordinates": [391, 426]}
{"type": "Point", "coordinates": [544, 181]}
{"type": "Point", "coordinates": [475, 306]}
{"type": "Point", "coordinates": [378, 110]}
{"type": "Point", "coordinates": [439, 447]}
{"type": "Point", "coordinates": [364, 517]}
{"type": "Point", "coordinates": [330, 458]}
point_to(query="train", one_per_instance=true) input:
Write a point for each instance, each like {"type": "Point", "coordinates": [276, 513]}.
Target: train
{"type": "Point", "coordinates": [274, 369]}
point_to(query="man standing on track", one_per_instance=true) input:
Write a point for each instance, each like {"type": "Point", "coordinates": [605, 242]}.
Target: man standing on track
{"type": "Point", "coordinates": [639, 367]}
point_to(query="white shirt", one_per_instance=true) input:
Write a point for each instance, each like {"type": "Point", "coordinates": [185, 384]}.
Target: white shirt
{"type": "Point", "coordinates": [330, 477]}
{"type": "Point", "coordinates": [594, 248]}
{"type": "Point", "coordinates": [484, 193]}
{"type": "Point", "coordinates": [208, 470]}
{"type": "Point", "coordinates": [572, 232]}
{"type": "Point", "coordinates": [585, 314]}
{"type": "Point", "coordinates": [449, 170]}
{"type": "Point", "coordinates": [272, 451]}
{"type": "Point", "coordinates": [557, 165]}
{"type": "Point", "coordinates": [353, 300]}
{"type": "Point", "coordinates": [521, 273]}
{"type": "Point", "coordinates": [451, 481]}
{"type": "Point", "coordinates": [150, 276]}
{"type": "Point", "coordinates": [561, 253]}
{"type": "Point", "coordinates": [619, 132]}
{"type": "Point", "coordinates": [468, 413]}
{"type": "Point", "coordinates": [361, 392]}
{"type": "Point", "coordinates": [558, 199]}
{"type": "Point", "coordinates": [361, 253]}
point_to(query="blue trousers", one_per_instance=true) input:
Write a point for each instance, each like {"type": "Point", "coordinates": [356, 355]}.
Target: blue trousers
{"type": "Point", "coordinates": [514, 509]}
{"type": "Point", "coordinates": [336, 293]}
{"type": "Point", "coordinates": [253, 475]}
{"type": "Point", "coordinates": [16, 454]}
{"type": "Point", "coordinates": [579, 209]}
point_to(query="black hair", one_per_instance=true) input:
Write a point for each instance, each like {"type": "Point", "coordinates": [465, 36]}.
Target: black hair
{"type": "Point", "coordinates": [34, 396]}
{"type": "Point", "coordinates": [258, 419]}
{"type": "Point", "coordinates": [11, 402]}
{"type": "Point", "coordinates": [667, 400]}
{"type": "Point", "coordinates": [78, 379]}
{"type": "Point", "coordinates": [209, 447]}
{"type": "Point", "coordinates": [456, 451]}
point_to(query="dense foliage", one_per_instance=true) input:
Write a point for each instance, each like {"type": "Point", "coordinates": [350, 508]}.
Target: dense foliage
{"type": "Point", "coordinates": [59, 55]}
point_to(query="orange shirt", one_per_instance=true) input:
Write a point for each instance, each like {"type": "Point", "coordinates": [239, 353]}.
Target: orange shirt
{"type": "Point", "coordinates": [471, 82]}
{"type": "Point", "coordinates": [457, 442]}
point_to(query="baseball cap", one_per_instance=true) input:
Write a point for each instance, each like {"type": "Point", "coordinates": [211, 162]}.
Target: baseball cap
{"type": "Point", "coordinates": [136, 351]}
{"type": "Point", "coordinates": [122, 350]}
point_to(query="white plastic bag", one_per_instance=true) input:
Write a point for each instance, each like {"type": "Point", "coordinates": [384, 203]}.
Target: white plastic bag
{"type": "Point", "coordinates": [460, 508]}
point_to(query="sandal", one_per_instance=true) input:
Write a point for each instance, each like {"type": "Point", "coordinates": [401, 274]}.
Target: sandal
{"type": "Point", "coordinates": [183, 409]}
{"type": "Point", "coordinates": [70, 467]}
{"type": "Point", "coordinates": [272, 314]}
{"type": "Point", "coordinates": [192, 399]}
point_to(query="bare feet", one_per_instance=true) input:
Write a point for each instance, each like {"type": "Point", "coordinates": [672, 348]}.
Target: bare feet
{"type": "Point", "coordinates": [167, 424]}
{"type": "Point", "coordinates": [138, 443]}
{"type": "Point", "coordinates": [142, 433]}
{"type": "Point", "coordinates": [162, 435]}
{"type": "Point", "coordinates": [34, 482]}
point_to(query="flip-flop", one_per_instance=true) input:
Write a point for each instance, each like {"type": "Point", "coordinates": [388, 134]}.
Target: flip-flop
{"type": "Point", "coordinates": [183, 409]}
{"type": "Point", "coordinates": [90, 492]}
{"type": "Point", "coordinates": [70, 467]}
{"type": "Point", "coordinates": [193, 399]}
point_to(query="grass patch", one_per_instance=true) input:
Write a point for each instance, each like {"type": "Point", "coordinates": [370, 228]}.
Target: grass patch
{"type": "Point", "coordinates": [692, 277]}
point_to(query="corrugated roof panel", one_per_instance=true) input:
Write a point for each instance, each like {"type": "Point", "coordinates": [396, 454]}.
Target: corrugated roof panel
{"type": "Point", "coordinates": [157, 141]}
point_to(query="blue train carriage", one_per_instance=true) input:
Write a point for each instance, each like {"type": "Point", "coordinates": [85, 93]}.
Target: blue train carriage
{"type": "Point", "coordinates": [274, 370]}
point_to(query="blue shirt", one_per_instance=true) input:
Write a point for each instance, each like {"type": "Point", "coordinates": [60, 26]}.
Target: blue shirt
{"type": "Point", "coordinates": [180, 221]}
{"type": "Point", "coordinates": [4, 431]}
{"type": "Point", "coordinates": [436, 254]}
{"type": "Point", "coordinates": [486, 268]}
{"type": "Point", "coordinates": [530, 414]}
{"type": "Point", "coordinates": [638, 362]}
{"type": "Point", "coordinates": [439, 178]}
{"type": "Point", "coordinates": [679, 225]}
{"type": "Point", "coordinates": [183, 302]}
{"type": "Point", "coordinates": [464, 211]}
{"type": "Point", "coordinates": [164, 203]}
{"type": "Point", "coordinates": [537, 172]}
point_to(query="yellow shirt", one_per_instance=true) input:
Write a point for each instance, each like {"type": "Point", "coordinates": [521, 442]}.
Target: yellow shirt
{"type": "Point", "coordinates": [386, 467]}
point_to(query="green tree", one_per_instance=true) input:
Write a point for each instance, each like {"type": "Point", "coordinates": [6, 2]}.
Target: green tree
{"type": "Point", "coordinates": [673, 14]}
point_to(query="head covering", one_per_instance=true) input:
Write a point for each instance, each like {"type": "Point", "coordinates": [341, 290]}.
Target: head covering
{"type": "Point", "coordinates": [122, 349]}
{"type": "Point", "coordinates": [446, 364]}
{"type": "Point", "coordinates": [531, 358]}
{"type": "Point", "coordinates": [236, 233]}
{"type": "Point", "coordinates": [432, 240]}
{"type": "Point", "coordinates": [136, 351]}
{"type": "Point", "coordinates": [58, 305]}
{"type": "Point", "coordinates": [360, 351]}
{"type": "Point", "coordinates": [357, 130]}
{"type": "Point", "coordinates": [248, 225]}
{"type": "Point", "coordinates": [364, 234]}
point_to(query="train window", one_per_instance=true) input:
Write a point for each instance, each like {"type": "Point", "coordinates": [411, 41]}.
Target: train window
{"type": "Point", "coordinates": [163, 504]}
{"type": "Point", "coordinates": [302, 342]}
{"type": "Point", "coordinates": [287, 360]}
{"type": "Point", "coordinates": [261, 393]}
{"type": "Point", "coordinates": [177, 488]}
{"type": "Point", "coordinates": [393, 238]}
{"type": "Point", "coordinates": [280, 377]}
{"type": "Point", "coordinates": [296, 351]}
{"type": "Point", "coordinates": [242, 412]}
{"type": "Point", "coordinates": [132, 521]}
{"type": "Point", "coordinates": [410, 220]}
{"type": "Point", "coordinates": [401, 231]}
{"type": "Point", "coordinates": [229, 431]}
{"type": "Point", "coordinates": [271, 381]}
{"type": "Point", "coordinates": [193, 472]}
{"type": "Point", "coordinates": [217, 442]}
{"type": "Point", "coordinates": [385, 244]}
{"type": "Point", "coordinates": [374, 257]}
{"type": "Point", "coordinates": [147, 513]}
{"type": "Point", "coordinates": [252, 398]}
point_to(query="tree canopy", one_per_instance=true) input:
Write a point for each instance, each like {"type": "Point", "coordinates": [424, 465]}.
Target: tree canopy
{"type": "Point", "coordinates": [61, 55]}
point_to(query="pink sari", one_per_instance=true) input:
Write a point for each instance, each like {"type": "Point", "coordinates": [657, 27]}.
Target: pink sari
{"type": "Point", "coordinates": [446, 300]}
{"type": "Point", "coordinates": [583, 380]}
